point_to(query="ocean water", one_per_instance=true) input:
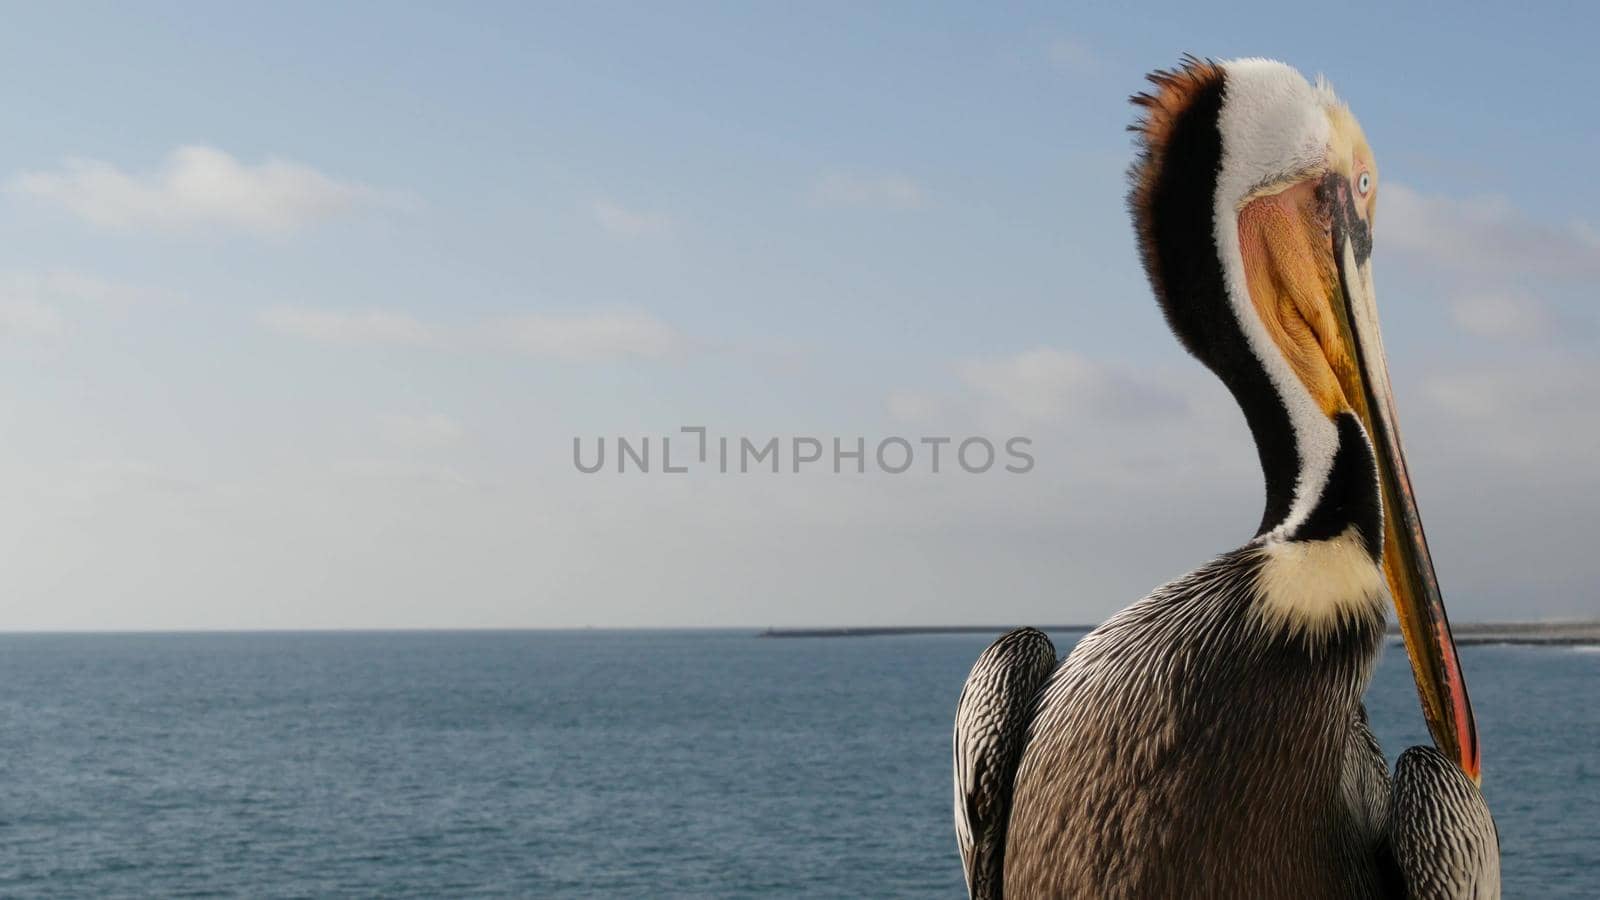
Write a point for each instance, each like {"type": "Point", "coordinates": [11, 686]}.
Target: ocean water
{"type": "Point", "coordinates": [596, 764]}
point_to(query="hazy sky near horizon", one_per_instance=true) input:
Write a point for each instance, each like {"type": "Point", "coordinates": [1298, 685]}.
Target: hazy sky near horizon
{"type": "Point", "coordinates": [302, 307]}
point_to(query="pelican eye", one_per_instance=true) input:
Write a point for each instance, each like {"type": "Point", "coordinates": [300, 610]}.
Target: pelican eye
{"type": "Point", "coordinates": [1364, 183]}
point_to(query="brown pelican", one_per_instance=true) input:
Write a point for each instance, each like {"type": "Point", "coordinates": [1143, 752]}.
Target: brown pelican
{"type": "Point", "coordinates": [1210, 739]}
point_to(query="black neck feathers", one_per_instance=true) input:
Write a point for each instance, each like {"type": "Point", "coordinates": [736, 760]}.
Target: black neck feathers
{"type": "Point", "coordinates": [1173, 202]}
{"type": "Point", "coordinates": [1350, 496]}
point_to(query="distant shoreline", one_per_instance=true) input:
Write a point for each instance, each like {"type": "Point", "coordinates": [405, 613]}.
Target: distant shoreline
{"type": "Point", "coordinates": [1467, 634]}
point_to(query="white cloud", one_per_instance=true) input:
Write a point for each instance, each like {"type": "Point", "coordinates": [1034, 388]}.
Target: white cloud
{"type": "Point", "coordinates": [1502, 315]}
{"type": "Point", "coordinates": [575, 337]}
{"type": "Point", "coordinates": [1534, 414]}
{"type": "Point", "coordinates": [592, 336]}
{"type": "Point", "coordinates": [199, 186]}
{"type": "Point", "coordinates": [82, 487]}
{"type": "Point", "coordinates": [421, 431]}
{"type": "Point", "coordinates": [1073, 54]}
{"type": "Point", "coordinates": [98, 477]}
{"type": "Point", "coordinates": [32, 303]}
{"type": "Point", "coordinates": [1483, 235]}
{"type": "Point", "coordinates": [24, 316]}
{"type": "Point", "coordinates": [1470, 395]}
{"type": "Point", "coordinates": [1554, 391]}
{"type": "Point", "coordinates": [911, 407]}
{"type": "Point", "coordinates": [1036, 384]}
{"type": "Point", "coordinates": [333, 326]}
{"type": "Point", "coordinates": [1046, 384]}
{"type": "Point", "coordinates": [405, 471]}
{"type": "Point", "coordinates": [859, 191]}
{"type": "Point", "coordinates": [66, 286]}
{"type": "Point", "coordinates": [624, 222]}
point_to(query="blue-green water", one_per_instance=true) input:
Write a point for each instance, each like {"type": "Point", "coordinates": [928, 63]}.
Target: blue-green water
{"type": "Point", "coordinates": [595, 764]}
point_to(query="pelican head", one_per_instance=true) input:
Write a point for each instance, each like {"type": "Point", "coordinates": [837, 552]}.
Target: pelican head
{"type": "Point", "coordinates": [1254, 200]}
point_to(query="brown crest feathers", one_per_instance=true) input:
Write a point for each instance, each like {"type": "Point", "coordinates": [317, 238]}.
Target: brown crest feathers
{"type": "Point", "coordinates": [1160, 108]}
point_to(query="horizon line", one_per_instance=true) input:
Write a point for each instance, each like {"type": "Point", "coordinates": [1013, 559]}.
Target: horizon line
{"type": "Point", "coordinates": [765, 630]}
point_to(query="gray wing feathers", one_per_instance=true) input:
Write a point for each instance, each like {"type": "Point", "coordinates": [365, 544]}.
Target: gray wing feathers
{"type": "Point", "coordinates": [991, 725]}
{"type": "Point", "coordinates": [1443, 838]}
{"type": "Point", "coordinates": [1366, 783]}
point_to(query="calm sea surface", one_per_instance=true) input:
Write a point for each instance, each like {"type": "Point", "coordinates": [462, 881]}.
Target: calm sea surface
{"type": "Point", "coordinates": [596, 764]}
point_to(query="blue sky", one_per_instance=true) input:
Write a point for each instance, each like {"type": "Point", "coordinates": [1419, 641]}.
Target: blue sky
{"type": "Point", "coordinates": [301, 309]}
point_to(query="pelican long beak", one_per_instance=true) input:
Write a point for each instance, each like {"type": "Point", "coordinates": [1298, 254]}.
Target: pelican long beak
{"type": "Point", "coordinates": [1317, 298]}
{"type": "Point", "coordinates": [1407, 565]}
